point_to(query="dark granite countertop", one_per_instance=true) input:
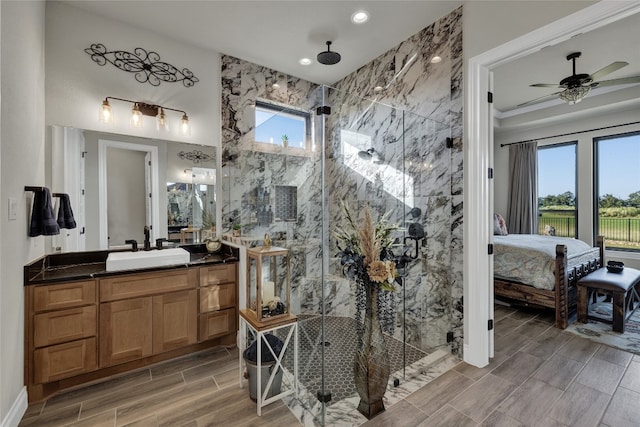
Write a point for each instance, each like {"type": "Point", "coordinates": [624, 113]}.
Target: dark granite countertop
{"type": "Point", "coordinates": [57, 268]}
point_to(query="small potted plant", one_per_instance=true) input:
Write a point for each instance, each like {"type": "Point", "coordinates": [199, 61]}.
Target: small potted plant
{"type": "Point", "coordinates": [236, 228]}
{"type": "Point", "coordinates": [285, 140]}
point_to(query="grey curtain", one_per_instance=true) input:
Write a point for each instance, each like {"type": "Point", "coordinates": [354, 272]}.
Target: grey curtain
{"type": "Point", "coordinates": [522, 214]}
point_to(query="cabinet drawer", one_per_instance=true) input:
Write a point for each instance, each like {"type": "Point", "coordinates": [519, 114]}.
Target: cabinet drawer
{"type": "Point", "coordinates": [143, 284]}
{"type": "Point", "coordinates": [217, 297]}
{"type": "Point", "coordinates": [64, 295]}
{"type": "Point", "coordinates": [60, 326]}
{"type": "Point", "coordinates": [218, 323]}
{"type": "Point", "coordinates": [216, 274]}
{"type": "Point", "coordinates": [64, 360]}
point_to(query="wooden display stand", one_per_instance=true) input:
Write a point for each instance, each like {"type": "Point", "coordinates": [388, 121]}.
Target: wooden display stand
{"type": "Point", "coordinates": [195, 233]}
{"type": "Point", "coordinates": [248, 321]}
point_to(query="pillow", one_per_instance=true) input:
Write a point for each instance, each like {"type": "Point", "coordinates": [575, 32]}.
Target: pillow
{"type": "Point", "coordinates": [499, 225]}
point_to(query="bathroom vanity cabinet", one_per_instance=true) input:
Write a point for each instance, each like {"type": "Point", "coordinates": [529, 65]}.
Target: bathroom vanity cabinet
{"type": "Point", "coordinates": [218, 301]}
{"type": "Point", "coordinates": [81, 330]}
{"type": "Point", "coordinates": [163, 305]}
{"type": "Point", "coordinates": [62, 323]}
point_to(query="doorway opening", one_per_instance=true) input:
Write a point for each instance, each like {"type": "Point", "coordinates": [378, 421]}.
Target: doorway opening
{"type": "Point", "coordinates": [478, 159]}
{"type": "Point", "coordinates": [129, 192]}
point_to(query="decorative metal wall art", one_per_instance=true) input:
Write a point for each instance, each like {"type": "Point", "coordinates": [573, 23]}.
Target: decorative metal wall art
{"type": "Point", "coordinates": [146, 65]}
{"type": "Point", "coordinates": [196, 156]}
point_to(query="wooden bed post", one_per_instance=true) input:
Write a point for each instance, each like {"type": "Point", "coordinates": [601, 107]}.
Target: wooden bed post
{"type": "Point", "coordinates": [600, 244]}
{"type": "Point", "coordinates": [561, 288]}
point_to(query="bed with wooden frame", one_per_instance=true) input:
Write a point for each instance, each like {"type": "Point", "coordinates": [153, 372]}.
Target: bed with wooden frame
{"type": "Point", "coordinates": [564, 293]}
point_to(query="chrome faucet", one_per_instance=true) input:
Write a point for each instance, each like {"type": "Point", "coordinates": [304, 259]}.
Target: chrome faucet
{"type": "Point", "coordinates": [147, 242]}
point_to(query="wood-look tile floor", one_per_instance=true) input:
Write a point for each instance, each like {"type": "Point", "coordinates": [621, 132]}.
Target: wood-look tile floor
{"type": "Point", "coordinates": [540, 376]}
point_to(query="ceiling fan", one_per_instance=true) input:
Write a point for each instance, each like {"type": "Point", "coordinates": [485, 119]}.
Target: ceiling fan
{"type": "Point", "coordinates": [577, 86]}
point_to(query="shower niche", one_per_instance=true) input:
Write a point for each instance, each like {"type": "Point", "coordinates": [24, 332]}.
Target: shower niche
{"type": "Point", "coordinates": [267, 207]}
{"type": "Point", "coordinates": [286, 203]}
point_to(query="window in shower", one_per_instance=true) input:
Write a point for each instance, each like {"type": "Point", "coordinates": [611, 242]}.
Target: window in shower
{"type": "Point", "coordinates": [282, 126]}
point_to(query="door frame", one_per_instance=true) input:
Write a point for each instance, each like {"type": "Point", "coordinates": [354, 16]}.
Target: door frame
{"type": "Point", "coordinates": [103, 145]}
{"type": "Point", "coordinates": [478, 158]}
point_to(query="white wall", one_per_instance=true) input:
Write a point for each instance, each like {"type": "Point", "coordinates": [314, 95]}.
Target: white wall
{"type": "Point", "coordinates": [585, 165]}
{"type": "Point", "coordinates": [488, 24]}
{"type": "Point", "coordinates": [22, 163]}
{"type": "Point", "coordinates": [76, 85]}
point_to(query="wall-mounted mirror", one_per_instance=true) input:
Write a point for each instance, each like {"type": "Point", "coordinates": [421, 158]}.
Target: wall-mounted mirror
{"type": "Point", "coordinates": [118, 184]}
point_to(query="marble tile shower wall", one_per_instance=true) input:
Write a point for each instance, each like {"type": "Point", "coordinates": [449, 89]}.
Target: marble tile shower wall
{"type": "Point", "coordinates": [248, 172]}
{"type": "Point", "coordinates": [432, 172]}
{"type": "Point", "coordinates": [415, 166]}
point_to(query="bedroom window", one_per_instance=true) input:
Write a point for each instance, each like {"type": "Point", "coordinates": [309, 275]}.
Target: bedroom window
{"type": "Point", "coordinates": [281, 126]}
{"type": "Point", "coordinates": [617, 190]}
{"type": "Point", "coordinates": [557, 189]}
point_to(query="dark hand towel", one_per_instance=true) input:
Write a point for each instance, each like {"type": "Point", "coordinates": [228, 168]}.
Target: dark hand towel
{"type": "Point", "coordinates": [43, 221]}
{"type": "Point", "coordinates": [65, 214]}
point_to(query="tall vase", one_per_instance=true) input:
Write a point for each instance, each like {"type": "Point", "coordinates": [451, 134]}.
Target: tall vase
{"type": "Point", "coordinates": [371, 364]}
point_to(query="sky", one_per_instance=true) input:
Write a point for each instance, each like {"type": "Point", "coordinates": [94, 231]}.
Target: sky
{"type": "Point", "coordinates": [619, 168]}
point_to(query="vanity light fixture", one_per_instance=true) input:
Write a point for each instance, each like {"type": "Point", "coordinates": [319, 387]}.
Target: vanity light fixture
{"type": "Point", "coordinates": [141, 109]}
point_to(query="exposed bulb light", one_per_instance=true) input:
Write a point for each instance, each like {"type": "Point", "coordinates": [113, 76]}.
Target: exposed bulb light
{"type": "Point", "coordinates": [141, 109]}
{"type": "Point", "coordinates": [436, 59]}
{"type": "Point", "coordinates": [305, 61]}
{"type": "Point", "coordinates": [573, 95]}
{"type": "Point", "coordinates": [275, 86]}
{"type": "Point", "coordinates": [185, 129]}
{"type": "Point", "coordinates": [161, 121]}
{"type": "Point", "coordinates": [136, 116]}
{"type": "Point", "coordinates": [378, 89]}
{"type": "Point", "coordinates": [106, 115]}
{"type": "Point", "coordinates": [360, 17]}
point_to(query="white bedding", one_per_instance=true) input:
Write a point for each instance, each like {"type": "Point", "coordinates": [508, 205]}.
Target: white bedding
{"type": "Point", "coordinates": [530, 258]}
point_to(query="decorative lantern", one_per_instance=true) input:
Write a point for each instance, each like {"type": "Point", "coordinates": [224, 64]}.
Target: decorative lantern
{"type": "Point", "coordinates": [268, 282]}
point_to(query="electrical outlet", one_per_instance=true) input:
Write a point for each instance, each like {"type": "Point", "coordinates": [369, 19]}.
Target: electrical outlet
{"type": "Point", "coordinates": [13, 208]}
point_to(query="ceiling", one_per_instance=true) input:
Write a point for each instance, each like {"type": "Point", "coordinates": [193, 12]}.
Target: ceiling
{"type": "Point", "coordinates": [277, 34]}
{"type": "Point", "coordinates": [619, 41]}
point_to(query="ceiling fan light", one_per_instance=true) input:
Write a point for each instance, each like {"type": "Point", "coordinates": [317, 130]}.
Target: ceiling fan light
{"type": "Point", "coordinates": [575, 94]}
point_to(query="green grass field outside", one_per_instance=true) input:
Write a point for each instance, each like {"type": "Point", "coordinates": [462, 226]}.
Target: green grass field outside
{"type": "Point", "coordinates": [623, 233]}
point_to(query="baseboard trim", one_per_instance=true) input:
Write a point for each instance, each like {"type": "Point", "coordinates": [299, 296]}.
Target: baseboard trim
{"type": "Point", "coordinates": [17, 410]}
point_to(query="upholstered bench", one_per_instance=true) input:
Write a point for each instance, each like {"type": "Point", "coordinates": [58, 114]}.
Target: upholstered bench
{"type": "Point", "coordinates": [623, 287]}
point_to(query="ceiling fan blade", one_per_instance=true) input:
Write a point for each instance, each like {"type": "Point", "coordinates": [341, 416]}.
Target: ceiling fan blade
{"type": "Point", "coordinates": [614, 66]}
{"type": "Point", "coordinates": [546, 85]}
{"type": "Point", "coordinates": [614, 82]}
{"type": "Point", "coordinates": [542, 98]}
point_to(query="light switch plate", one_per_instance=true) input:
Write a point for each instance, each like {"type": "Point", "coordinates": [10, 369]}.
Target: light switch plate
{"type": "Point", "coordinates": [13, 208]}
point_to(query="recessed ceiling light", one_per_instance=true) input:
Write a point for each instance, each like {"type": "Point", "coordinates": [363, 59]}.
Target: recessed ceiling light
{"type": "Point", "coordinates": [360, 17]}
{"type": "Point", "coordinates": [305, 61]}
{"type": "Point", "coordinates": [436, 59]}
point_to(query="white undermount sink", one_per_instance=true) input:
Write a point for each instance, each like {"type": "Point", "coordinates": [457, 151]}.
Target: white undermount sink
{"type": "Point", "coordinates": [146, 259]}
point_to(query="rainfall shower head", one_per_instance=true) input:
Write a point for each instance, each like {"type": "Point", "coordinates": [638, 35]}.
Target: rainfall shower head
{"type": "Point", "coordinates": [328, 57]}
